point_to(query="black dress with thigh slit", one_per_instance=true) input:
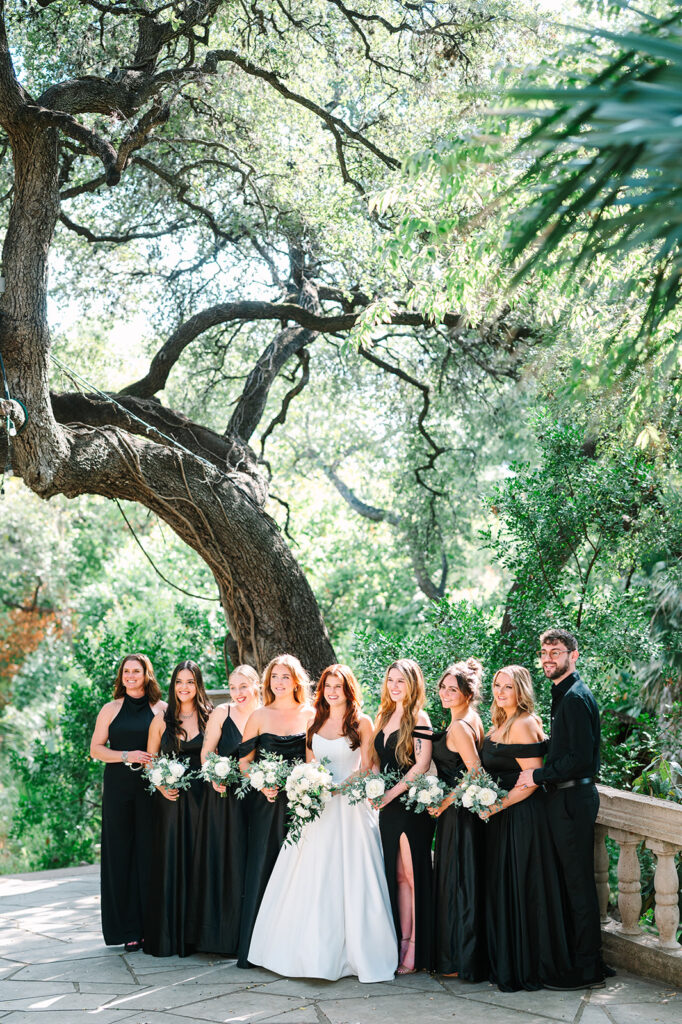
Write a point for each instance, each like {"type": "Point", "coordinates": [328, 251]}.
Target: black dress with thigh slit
{"type": "Point", "coordinates": [458, 880]}
{"type": "Point", "coordinates": [266, 832]}
{"type": "Point", "coordinates": [126, 829]}
{"type": "Point", "coordinates": [525, 900]}
{"type": "Point", "coordinates": [175, 830]}
{"type": "Point", "coordinates": [395, 820]}
{"type": "Point", "coordinates": [216, 890]}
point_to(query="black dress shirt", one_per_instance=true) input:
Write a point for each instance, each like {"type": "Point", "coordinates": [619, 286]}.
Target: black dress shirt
{"type": "Point", "coordinates": [574, 740]}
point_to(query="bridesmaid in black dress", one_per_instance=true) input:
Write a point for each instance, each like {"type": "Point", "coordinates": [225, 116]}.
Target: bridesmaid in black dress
{"type": "Point", "coordinates": [175, 813]}
{"type": "Point", "coordinates": [402, 743]}
{"type": "Point", "coordinates": [123, 723]}
{"type": "Point", "coordinates": [458, 866]}
{"type": "Point", "coordinates": [220, 853]}
{"type": "Point", "coordinates": [525, 902]}
{"type": "Point", "coordinates": [279, 727]}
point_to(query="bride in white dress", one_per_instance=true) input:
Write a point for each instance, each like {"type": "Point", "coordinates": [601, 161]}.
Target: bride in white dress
{"type": "Point", "coordinates": [329, 891]}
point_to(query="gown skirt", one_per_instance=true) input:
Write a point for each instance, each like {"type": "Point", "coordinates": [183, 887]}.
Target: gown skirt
{"type": "Point", "coordinates": [396, 820]}
{"type": "Point", "coordinates": [326, 911]}
{"type": "Point", "coordinates": [175, 830]}
{"type": "Point", "coordinates": [526, 902]}
{"type": "Point", "coordinates": [216, 888]}
{"type": "Point", "coordinates": [459, 880]}
{"type": "Point", "coordinates": [266, 832]}
{"type": "Point", "coordinates": [126, 829]}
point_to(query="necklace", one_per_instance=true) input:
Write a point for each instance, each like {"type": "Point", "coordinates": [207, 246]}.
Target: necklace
{"type": "Point", "coordinates": [185, 717]}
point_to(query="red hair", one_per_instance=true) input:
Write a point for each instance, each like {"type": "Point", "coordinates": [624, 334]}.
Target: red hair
{"type": "Point", "coordinates": [351, 719]}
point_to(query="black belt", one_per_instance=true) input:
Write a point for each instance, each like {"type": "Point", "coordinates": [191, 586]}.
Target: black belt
{"type": "Point", "coordinates": [573, 782]}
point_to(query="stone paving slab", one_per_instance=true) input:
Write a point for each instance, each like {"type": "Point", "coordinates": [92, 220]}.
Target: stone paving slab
{"type": "Point", "coordinates": [55, 969]}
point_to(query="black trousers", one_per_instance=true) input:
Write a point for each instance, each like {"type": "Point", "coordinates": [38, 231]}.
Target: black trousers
{"type": "Point", "coordinates": [571, 814]}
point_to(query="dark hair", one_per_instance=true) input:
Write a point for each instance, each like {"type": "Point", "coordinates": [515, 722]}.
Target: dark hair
{"type": "Point", "coordinates": [351, 720]}
{"type": "Point", "coordinates": [151, 687]}
{"type": "Point", "coordinates": [561, 636]}
{"type": "Point", "coordinates": [468, 674]}
{"type": "Point", "coordinates": [174, 726]}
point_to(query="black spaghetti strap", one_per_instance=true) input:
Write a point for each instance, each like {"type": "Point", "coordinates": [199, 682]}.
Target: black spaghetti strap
{"type": "Point", "coordinates": [246, 746]}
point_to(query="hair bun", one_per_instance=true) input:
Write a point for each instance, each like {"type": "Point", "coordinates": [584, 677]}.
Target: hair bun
{"type": "Point", "coordinates": [475, 667]}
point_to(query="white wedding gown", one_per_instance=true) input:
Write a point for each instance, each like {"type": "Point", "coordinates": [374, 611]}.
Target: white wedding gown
{"type": "Point", "coordinates": [326, 911]}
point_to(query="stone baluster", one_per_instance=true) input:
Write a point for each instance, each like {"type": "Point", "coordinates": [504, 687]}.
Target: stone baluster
{"type": "Point", "coordinates": [601, 870]}
{"type": "Point", "coordinates": [666, 885]}
{"type": "Point", "coordinates": [629, 884]}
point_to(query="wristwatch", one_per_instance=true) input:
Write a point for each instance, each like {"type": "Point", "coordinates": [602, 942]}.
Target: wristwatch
{"type": "Point", "coordinates": [124, 756]}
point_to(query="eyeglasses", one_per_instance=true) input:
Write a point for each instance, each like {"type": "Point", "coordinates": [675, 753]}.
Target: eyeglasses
{"type": "Point", "coordinates": [553, 653]}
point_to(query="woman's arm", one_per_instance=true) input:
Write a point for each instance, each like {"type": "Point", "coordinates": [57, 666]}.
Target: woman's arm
{"type": "Point", "coordinates": [100, 736]}
{"type": "Point", "coordinates": [366, 730]}
{"type": "Point", "coordinates": [251, 730]}
{"type": "Point", "coordinates": [214, 729]}
{"type": "Point", "coordinates": [156, 730]}
{"type": "Point", "coordinates": [460, 740]}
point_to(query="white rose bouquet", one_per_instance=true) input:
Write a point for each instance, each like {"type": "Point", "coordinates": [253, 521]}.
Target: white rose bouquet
{"type": "Point", "coordinates": [366, 786]}
{"type": "Point", "coordinates": [224, 771]}
{"type": "Point", "coordinates": [271, 771]}
{"type": "Point", "coordinates": [309, 787]}
{"type": "Point", "coordinates": [478, 792]}
{"type": "Point", "coordinates": [424, 791]}
{"type": "Point", "coordinates": [168, 771]}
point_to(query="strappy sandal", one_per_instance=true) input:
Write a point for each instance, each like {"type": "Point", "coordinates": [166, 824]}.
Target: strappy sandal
{"type": "Point", "coordinates": [133, 945]}
{"type": "Point", "coordinates": [402, 966]}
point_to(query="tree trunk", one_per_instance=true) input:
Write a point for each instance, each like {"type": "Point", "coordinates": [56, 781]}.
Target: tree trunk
{"type": "Point", "coordinates": [268, 603]}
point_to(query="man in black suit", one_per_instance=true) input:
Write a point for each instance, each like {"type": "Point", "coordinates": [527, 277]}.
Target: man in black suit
{"type": "Point", "coordinates": [568, 777]}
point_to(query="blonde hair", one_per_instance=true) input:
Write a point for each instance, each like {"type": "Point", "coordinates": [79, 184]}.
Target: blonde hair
{"type": "Point", "coordinates": [469, 675]}
{"type": "Point", "coordinates": [525, 699]}
{"type": "Point", "coordinates": [249, 673]}
{"type": "Point", "coordinates": [301, 680]}
{"type": "Point", "coordinates": [415, 699]}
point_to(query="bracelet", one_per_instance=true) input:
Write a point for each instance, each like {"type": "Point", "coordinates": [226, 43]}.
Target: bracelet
{"type": "Point", "coordinates": [124, 756]}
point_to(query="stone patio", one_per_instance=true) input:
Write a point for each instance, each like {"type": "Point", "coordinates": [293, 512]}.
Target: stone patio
{"type": "Point", "coordinates": [54, 969]}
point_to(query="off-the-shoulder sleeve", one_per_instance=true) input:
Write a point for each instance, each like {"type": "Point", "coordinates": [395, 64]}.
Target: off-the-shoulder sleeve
{"type": "Point", "coordinates": [423, 733]}
{"type": "Point", "coordinates": [246, 746]}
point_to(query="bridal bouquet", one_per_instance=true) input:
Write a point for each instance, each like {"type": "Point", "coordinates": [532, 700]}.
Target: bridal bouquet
{"type": "Point", "coordinates": [270, 772]}
{"type": "Point", "coordinates": [477, 791]}
{"type": "Point", "coordinates": [424, 791]}
{"type": "Point", "coordinates": [169, 772]}
{"type": "Point", "coordinates": [366, 786]}
{"type": "Point", "coordinates": [309, 787]}
{"type": "Point", "coordinates": [224, 771]}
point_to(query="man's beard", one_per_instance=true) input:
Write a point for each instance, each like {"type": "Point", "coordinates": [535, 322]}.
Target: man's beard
{"type": "Point", "coordinates": [559, 670]}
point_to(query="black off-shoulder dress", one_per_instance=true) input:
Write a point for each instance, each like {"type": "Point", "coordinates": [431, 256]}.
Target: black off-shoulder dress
{"type": "Point", "coordinates": [525, 900]}
{"type": "Point", "coordinates": [396, 820]}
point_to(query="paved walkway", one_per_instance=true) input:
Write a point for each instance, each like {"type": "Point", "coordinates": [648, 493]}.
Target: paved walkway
{"type": "Point", "coordinates": [54, 969]}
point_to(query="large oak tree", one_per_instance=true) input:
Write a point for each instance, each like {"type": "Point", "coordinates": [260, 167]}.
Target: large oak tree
{"type": "Point", "coordinates": [176, 129]}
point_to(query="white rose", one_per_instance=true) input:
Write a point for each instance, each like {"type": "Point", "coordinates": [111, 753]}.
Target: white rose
{"type": "Point", "coordinates": [325, 796]}
{"type": "Point", "coordinates": [222, 768]}
{"type": "Point", "coordinates": [304, 784]}
{"type": "Point", "coordinates": [487, 796]}
{"type": "Point", "coordinates": [473, 790]}
{"type": "Point", "coordinates": [432, 781]}
{"type": "Point", "coordinates": [424, 797]}
{"type": "Point", "coordinates": [467, 799]}
{"type": "Point", "coordinates": [176, 769]}
{"type": "Point", "coordinates": [375, 788]}
{"type": "Point", "coordinates": [302, 812]}
{"type": "Point", "coordinates": [257, 779]}
{"type": "Point", "coordinates": [270, 778]}
{"type": "Point", "coordinates": [413, 792]}
{"type": "Point", "coordinates": [156, 776]}
{"type": "Point", "coordinates": [305, 800]}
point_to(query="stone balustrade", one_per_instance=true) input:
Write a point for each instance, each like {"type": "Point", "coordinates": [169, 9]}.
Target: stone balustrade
{"type": "Point", "coordinates": [631, 819]}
